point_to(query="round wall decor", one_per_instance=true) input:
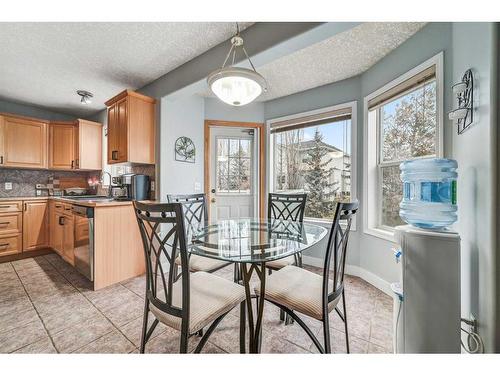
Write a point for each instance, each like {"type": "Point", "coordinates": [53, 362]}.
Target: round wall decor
{"type": "Point", "coordinates": [185, 150]}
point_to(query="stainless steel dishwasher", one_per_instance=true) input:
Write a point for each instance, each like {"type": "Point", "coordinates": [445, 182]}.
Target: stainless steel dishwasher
{"type": "Point", "coordinates": [84, 240]}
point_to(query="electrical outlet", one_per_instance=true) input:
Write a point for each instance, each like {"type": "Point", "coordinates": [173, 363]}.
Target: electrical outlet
{"type": "Point", "coordinates": [8, 186]}
{"type": "Point", "coordinates": [152, 186]}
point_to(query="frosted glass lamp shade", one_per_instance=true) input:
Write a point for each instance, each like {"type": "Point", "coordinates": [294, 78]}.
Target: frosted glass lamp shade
{"type": "Point", "coordinates": [236, 86]}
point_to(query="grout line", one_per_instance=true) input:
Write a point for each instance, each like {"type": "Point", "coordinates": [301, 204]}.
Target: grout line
{"type": "Point", "coordinates": [38, 314]}
{"type": "Point", "coordinates": [105, 317]}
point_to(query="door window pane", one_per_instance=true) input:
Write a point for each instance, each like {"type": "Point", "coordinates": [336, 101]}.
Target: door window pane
{"type": "Point", "coordinates": [234, 165]}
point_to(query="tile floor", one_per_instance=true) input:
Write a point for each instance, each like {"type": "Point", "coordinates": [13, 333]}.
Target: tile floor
{"type": "Point", "coordinates": [48, 307]}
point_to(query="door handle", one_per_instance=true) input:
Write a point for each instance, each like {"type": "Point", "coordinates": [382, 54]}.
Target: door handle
{"type": "Point", "coordinates": [114, 155]}
{"type": "Point", "coordinates": [213, 200]}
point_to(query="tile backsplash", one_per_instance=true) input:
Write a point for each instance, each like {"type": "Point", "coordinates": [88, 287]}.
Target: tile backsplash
{"type": "Point", "coordinates": [24, 180]}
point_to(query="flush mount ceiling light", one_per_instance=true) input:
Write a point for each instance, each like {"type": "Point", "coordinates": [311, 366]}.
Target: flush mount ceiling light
{"type": "Point", "coordinates": [233, 85]}
{"type": "Point", "coordinates": [86, 97]}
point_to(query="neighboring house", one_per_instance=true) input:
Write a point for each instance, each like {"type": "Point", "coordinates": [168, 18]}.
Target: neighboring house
{"type": "Point", "coordinates": [290, 169]}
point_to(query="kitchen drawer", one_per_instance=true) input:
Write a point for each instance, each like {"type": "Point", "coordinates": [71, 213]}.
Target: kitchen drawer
{"type": "Point", "coordinates": [10, 244]}
{"type": "Point", "coordinates": [81, 231]}
{"type": "Point", "coordinates": [11, 222]}
{"type": "Point", "coordinates": [11, 206]}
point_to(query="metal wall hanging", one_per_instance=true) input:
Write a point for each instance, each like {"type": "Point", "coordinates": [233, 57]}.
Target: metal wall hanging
{"type": "Point", "coordinates": [463, 91]}
{"type": "Point", "coordinates": [185, 150]}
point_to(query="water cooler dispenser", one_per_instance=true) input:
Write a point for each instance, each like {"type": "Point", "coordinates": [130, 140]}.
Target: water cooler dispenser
{"type": "Point", "coordinates": [427, 301]}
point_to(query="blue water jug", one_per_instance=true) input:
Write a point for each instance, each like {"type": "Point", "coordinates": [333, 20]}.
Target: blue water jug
{"type": "Point", "coordinates": [429, 192]}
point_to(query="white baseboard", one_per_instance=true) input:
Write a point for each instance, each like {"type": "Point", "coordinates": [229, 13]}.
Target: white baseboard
{"type": "Point", "coordinates": [369, 277]}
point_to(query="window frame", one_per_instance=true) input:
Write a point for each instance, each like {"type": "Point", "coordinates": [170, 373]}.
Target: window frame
{"type": "Point", "coordinates": [352, 106]}
{"type": "Point", "coordinates": [373, 164]}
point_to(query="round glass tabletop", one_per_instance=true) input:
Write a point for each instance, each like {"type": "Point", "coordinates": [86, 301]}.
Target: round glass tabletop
{"type": "Point", "coordinates": [253, 240]}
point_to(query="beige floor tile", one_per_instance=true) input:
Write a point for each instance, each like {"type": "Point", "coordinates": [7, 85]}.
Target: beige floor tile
{"type": "Point", "coordinates": [18, 319]}
{"type": "Point", "coordinates": [79, 335]}
{"type": "Point", "coordinates": [113, 342]}
{"type": "Point", "coordinates": [64, 319]}
{"type": "Point", "coordinates": [127, 311]}
{"type": "Point", "coordinates": [377, 349]}
{"type": "Point", "coordinates": [168, 342]}
{"type": "Point", "coordinates": [381, 335]}
{"type": "Point", "coordinates": [22, 336]}
{"type": "Point", "coordinates": [133, 329]}
{"type": "Point", "coordinates": [12, 292]}
{"type": "Point", "coordinates": [276, 345]}
{"type": "Point", "coordinates": [15, 306]}
{"type": "Point", "coordinates": [136, 285]}
{"type": "Point", "coordinates": [43, 346]}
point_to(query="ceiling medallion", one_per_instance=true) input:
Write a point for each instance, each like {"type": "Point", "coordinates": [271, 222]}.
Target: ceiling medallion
{"type": "Point", "coordinates": [234, 85]}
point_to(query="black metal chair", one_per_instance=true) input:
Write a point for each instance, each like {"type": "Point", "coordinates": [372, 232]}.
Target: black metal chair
{"type": "Point", "coordinates": [286, 207]}
{"type": "Point", "coordinates": [195, 212]}
{"type": "Point", "coordinates": [196, 299]}
{"type": "Point", "coordinates": [296, 289]}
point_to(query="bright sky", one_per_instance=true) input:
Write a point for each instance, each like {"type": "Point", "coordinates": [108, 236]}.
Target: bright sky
{"type": "Point", "coordinates": [333, 134]}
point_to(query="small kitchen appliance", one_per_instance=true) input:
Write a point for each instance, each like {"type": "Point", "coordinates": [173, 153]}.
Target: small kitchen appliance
{"type": "Point", "coordinates": [137, 186]}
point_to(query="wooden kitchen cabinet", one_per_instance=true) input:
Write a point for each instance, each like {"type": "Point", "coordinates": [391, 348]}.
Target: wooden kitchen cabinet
{"type": "Point", "coordinates": [75, 145]}
{"type": "Point", "coordinates": [11, 224]}
{"type": "Point", "coordinates": [88, 145]}
{"type": "Point", "coordinates": [131, 128]}
{"type": "Point", "coordinates": [35, 225]}
{"type": "Point", "coordinates": [56, 229]}
{"type": "Point", "coordinates": [62, 145]}
{"type": "Point", "coordinates": [23, 142]}
{"type": "Point", "coordinates": [68, 238]}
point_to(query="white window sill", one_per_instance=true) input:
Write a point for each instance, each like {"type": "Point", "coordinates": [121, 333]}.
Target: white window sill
{"type": "Point", "coordinates": [384, 234]}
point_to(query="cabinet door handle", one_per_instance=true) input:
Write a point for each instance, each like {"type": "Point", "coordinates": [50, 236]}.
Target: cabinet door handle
{"type": "Point", "coordinates": [114, 155]}
{"type": "Point", "coordinates": [4, 223]}
{"type": "Point", "coordinates": [72, 164]}
{"type": "Point", "coordinates": [1, 159]}
{"type": "Point", "coordinates": [61, 220]}
{"type": "Point", "coordinates": [4, 244]}
{"type": "Point", "coordinates": [5, 206]}
{"type": "Point", "coordinates": [25, 207]}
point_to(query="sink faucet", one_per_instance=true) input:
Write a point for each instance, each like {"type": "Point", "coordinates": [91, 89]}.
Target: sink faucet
{"type": "Point", "coordinates": [110, 190]}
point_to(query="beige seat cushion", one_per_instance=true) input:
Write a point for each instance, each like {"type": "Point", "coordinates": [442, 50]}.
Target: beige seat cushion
{"type": "Point", "coordinates": [210, 297]}
{"type": "Point", "coordinates": [281, 263]}
{"type": "Point", "coordinates": [198, 263]}
{"type": "Point", "coordinates": [298, 289]}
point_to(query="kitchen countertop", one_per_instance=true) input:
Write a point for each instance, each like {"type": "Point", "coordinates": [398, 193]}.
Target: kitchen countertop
{"type": "Point", "coordinates": [89, 203]}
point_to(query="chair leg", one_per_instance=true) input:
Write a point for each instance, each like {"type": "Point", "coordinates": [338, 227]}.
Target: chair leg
{"type": "Point", "coordinates": [345, 323]}
{"type": "Point", "coordinates": [200, 332]}
{"type": "Point", "coordinates": [243, 323]}
{"type": "Point", "coordinates": [283, 315]}
{"type": "Point", "coordinates": [326, 334]}
{"type": "Point", "coordinates": [288, 319]}
{"type": "Point", "coordinates": [184, 341]}
{"type": "Point", "coordinates": [144, 326]}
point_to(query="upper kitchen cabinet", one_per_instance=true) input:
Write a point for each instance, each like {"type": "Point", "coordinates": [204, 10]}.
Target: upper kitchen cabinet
{"type": "Point", "coordinates": [23, 142]}
{"type": "Point", "coordinates": [88, 145]}
{"type": "Point", "coordinates": [131, 128]}
{"type": "Point", "coordinates": [75, 145]}
{"type": "Point", "coordinates": [62, 145]}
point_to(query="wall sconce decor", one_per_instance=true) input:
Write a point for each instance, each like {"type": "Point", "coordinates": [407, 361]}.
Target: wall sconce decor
{"type": "Point", "coordinates": [463, 91]}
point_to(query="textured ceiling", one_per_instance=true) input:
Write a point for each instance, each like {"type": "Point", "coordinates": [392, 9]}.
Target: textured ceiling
{"type": "Point", "coordinates": [45, 63]}
{"type": "Point", "coordinates": [344, 55]}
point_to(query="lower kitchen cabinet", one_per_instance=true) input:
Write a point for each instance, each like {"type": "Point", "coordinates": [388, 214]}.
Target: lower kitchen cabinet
{"type": "Point", "coordinates": [35, 225]}
{"type": "Point", "coordinates": [10, 244]}
{"type": "Point", "coordinates": [68, 239]}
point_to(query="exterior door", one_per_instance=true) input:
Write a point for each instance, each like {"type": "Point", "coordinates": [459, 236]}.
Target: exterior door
{"type": "Point", "coordinates": [233, 173]}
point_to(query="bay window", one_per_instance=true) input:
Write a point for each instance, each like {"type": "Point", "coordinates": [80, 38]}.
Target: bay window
{"type": "Point", "coordinates": [403, 122]}
{"type": "Point", "coordinates": [312, 152]}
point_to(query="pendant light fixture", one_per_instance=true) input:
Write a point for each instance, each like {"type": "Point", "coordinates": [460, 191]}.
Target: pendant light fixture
{"type": "Point", "coordinates": [233, 85]}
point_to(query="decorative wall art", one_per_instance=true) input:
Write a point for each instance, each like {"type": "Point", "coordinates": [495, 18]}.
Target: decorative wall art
{"type": "Point", "coordinates": [185, 150]}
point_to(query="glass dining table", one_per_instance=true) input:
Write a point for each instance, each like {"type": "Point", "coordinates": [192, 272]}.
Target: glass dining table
{"type": "Point", "coordinates": [251, 243]}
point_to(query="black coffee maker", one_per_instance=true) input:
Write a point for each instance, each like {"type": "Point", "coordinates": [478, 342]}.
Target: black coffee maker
{"type": "Point", "coordinates": [136, 186]}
